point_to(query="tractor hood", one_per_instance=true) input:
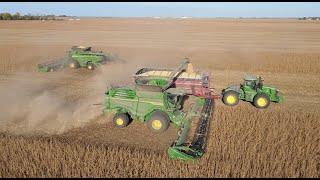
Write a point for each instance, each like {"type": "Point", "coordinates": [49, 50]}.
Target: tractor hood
{"type": "Point", "coordinates": [269, 88]}
{"type": "Point", "coordinates": [278, 95]}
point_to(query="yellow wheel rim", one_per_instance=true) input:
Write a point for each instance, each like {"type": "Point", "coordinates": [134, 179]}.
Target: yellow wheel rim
{"type": "Point", "coordinates": [231, 99]}
{"type": "Point", "coordinates": [156, 124]}
{"type": "Point", "coordinates": [119, 122]}
{"type": "Point", "coordinates": [262, 102]}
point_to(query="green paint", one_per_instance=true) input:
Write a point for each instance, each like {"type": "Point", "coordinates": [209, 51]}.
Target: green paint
{"type": "Point", "coordinates": [247, 91]}
{"type": "Point", "coordinates": [83, 56]}
{"type": "Point", "coordinates": [140, 104]}
{"type": "Point", "coordinates": [179, 150]}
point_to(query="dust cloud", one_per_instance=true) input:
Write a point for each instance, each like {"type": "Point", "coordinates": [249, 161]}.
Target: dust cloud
{"type": "Point", "coordinates": [33, 104]}
{"type": "Point", "coordinates": [28, 105]}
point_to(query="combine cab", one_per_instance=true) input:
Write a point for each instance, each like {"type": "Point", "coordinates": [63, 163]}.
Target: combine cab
{"type": "Point", "coordinates": [77, 57]}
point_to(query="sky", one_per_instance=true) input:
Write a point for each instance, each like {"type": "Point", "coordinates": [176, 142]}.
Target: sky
{"type": "Point", "coordinates": [166, 9]}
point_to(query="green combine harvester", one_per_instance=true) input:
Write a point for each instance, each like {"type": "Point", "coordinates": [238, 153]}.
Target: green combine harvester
{"type": "Point", "coordinates": [252, 90]}
{"type": "Point", "coordinates": [77, 57]}
{"type": "Point", "coordinates": [158, 109]}
{"type": "Point", "coordinates": [162, 104]}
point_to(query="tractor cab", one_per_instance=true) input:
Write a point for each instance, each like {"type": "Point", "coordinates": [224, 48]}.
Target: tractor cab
{"type": "Point", "coordinates": [253, 82]}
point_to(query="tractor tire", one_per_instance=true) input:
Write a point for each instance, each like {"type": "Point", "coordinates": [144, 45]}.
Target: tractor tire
{"type": "Point", "coordinates": [121, 120]}
{"type": "Point", "coordinates": [158, 123]}
{"type": "Point", "coordinates": [90, 66]}
{"type": "Point", "coordinates": [74, 64]}
{"type": "Point", "coordinates": [261, 101]}
{"type": "Point", "coordinates": [230, 98]}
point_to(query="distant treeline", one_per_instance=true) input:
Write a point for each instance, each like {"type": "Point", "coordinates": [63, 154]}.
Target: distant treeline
{"type": "Point", "coordinates": [310, 18]}
{"type": "Point", "coordinates": [17, 16]}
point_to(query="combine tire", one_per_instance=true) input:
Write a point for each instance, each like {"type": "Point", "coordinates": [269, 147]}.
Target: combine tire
{"type": "Point", "coordinates": [158, 123]}
{"type": "Point", "coordinates": [230, 98]}
{"type": "Point", "coordinates": [90, 66]}
{"type": "Point", "coordinates": [121, 120]}
{"type": "Point", "coordinates": [261, 101]}
{"type": "Point", "coordinates": [74, 64]}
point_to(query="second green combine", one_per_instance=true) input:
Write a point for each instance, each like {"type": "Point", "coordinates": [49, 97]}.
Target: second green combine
{"type": "Point", "coordinates": [77, 57]}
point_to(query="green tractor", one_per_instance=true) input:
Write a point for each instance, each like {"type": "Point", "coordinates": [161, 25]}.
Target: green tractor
{"type": "Point", "coordinates": [158, 109]}
{"type": "Point", "coordinates": [77, 57]}
{"type": "Point", "coordinates": [252, 90]}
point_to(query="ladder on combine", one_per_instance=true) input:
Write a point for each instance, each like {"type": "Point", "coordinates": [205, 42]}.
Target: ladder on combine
{"type": "Point", "coordinates": [190, 151]}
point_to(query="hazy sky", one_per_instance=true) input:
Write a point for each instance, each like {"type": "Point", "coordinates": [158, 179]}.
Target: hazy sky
{"type": "Point", "coordinates": [166, 9]}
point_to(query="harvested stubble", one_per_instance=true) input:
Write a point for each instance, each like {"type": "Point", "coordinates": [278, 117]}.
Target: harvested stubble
{"type": "Point", "coordinates": [244, 143]}
{"type": "Point", "coordinates": [281, 141]}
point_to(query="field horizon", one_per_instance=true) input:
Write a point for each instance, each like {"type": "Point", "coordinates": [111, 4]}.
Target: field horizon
{"type": "Point", "coordinates": [49, 126]}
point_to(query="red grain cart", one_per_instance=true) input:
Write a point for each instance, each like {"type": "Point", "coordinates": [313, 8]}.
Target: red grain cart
{"type": "Point", "coordinates": [183, 77]}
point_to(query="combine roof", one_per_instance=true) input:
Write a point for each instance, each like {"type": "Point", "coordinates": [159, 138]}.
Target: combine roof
{"type": "Point", "coordinates": [84, 48]}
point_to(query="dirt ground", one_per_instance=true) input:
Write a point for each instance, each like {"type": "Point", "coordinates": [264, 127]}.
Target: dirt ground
{"type": "Point", "coordinates": [60, 104]}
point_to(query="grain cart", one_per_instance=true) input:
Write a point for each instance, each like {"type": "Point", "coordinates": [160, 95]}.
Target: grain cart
{"type": "Point", "coordinates": [252, 90]}
{"type": "Point", "coordinates": [182, 77]}
{"type": "Point", "coordinates": [158, 108]}
{"type": "Point", "coordinates": [78, 56]}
